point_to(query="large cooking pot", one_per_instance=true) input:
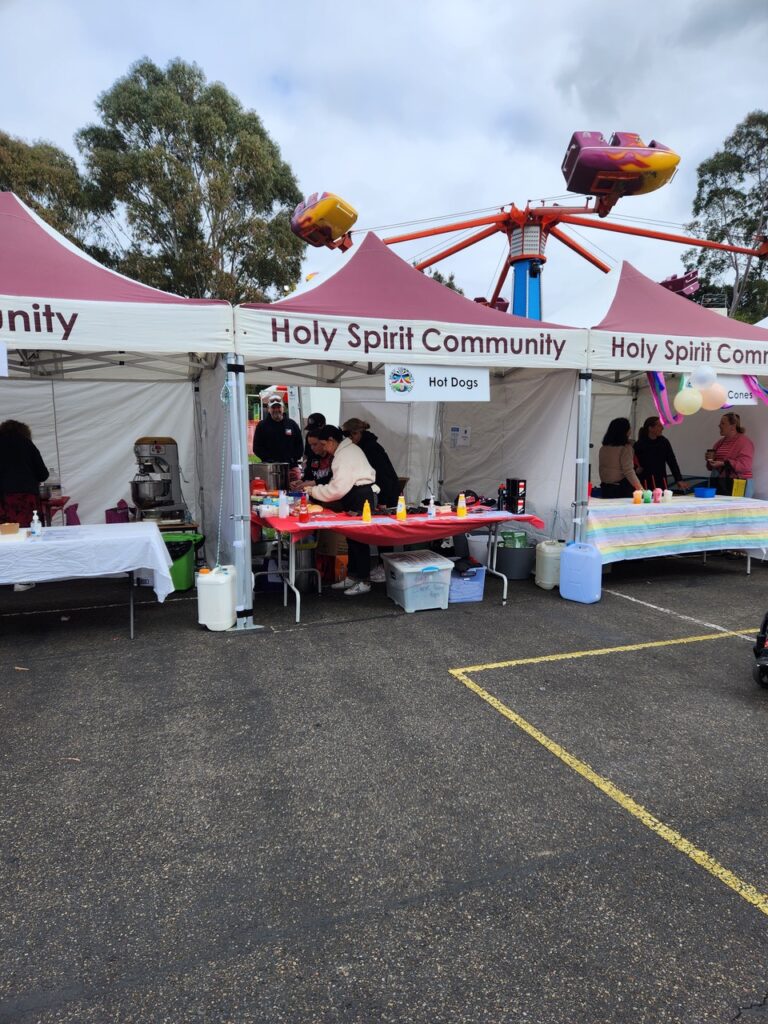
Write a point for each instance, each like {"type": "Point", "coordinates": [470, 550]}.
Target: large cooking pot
{"type": "Point", "coordinates": [274, 474]}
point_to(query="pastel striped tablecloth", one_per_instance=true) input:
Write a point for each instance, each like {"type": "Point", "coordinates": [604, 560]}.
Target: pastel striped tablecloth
{"type": "Point", "coordinates": [621, 530]}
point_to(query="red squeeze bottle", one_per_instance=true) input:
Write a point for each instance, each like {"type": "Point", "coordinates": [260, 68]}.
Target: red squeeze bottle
{"type": "Point", "coordinates": [303, 510]}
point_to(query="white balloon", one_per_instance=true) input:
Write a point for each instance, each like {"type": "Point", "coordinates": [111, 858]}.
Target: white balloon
{"type": "Point", "coordinates": [688, 401]}
{"type": "Point", "coordinates": [703, 376]}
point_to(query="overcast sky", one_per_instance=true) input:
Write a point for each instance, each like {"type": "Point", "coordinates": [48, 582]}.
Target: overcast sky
{"type": "Point", "coordinates": [412, 110]}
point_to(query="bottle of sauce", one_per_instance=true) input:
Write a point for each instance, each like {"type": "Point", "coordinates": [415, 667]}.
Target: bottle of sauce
{"type": "Point", "coordinates": [303, 510]}
{"type": "Point", "coordinates": [461, 506]}
{"type": "Point", "coordinates": [401, 513]}
{"type": "Point", "coordinates": [366, 511]}
{"type": "Point", "coordinates": [502, 501]}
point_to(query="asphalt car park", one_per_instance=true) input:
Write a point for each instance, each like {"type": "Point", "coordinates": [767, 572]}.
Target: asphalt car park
{"type": "Point", "coordinates": [547, 811]}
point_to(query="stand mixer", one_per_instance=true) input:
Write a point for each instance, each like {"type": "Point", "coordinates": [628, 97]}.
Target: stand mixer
{"type": "Point", "coordinates": [156, 487]}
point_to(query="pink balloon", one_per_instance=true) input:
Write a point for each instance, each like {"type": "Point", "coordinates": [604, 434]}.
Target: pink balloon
{"type": "Point", "coordinates": [713, 397]}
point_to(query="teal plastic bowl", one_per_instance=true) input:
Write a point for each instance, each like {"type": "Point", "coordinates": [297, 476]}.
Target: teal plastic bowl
{"type": "Point", "coordinates": [704, 492]}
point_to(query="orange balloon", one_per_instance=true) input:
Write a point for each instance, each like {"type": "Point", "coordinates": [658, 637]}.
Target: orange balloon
{"type": "Point", "coordinates": [713, 397]}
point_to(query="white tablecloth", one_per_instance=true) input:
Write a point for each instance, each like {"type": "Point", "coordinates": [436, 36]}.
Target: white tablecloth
{"type": "Point", "coordinates": [75, 552]}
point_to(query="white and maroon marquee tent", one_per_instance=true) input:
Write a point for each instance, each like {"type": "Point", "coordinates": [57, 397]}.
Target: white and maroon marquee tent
{"type": "Point", "coordinates": [97, 360]}
{"type": "Point", "coordinates": [376, 309]}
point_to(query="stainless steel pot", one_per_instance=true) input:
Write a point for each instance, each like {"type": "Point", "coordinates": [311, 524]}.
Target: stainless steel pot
{"type": "Point", "coordinates": [146, 493]}
{"type": "Point", "coordinates": [274, 474]}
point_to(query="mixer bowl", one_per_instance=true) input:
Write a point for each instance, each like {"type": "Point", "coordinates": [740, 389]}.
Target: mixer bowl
{"type": "Point", "coordinates": [146, 493]}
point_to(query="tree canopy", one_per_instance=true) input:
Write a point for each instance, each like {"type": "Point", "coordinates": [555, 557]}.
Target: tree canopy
{"type": "Point", "coordinates": [731, 205]}
{"type": "Point", "coordinates": [48, 180]}
{"type": "Point", "coordinates": [193, 185]}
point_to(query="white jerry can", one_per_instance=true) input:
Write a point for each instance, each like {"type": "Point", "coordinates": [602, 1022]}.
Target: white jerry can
{"type": "Point", "coordinates": [217, 597]}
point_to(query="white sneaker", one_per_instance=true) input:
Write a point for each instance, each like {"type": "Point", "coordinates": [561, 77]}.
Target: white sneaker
{"type": "Point", "coordinates": [358, 589]}
{"type": "Point", "coordinates": [344, 584]}
{"type": "Point", "coordinates": [18, 587]}
{"type": "Point", "coordinates": [378, 575]}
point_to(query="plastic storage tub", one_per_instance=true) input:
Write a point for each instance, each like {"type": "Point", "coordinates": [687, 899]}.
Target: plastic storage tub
{"type": "Point", "coordinates": [181, 548]}
{"type": "Point", "coordinates": [516, 563]}
{"type": "Point", "coordinates": [705, 492]}
{"type": "Point", "coordinates": [467, 586]}
{"type": "Point", "coordinates": [418, 580]}
{"type": "Point", "coordinates": [217, 597]}
{"type": "Point", "coordinates": [581, 573]}
{"type": "Point", "coordinates": [477, 544]}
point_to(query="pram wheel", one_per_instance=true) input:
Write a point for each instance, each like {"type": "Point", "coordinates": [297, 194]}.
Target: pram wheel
{"type": "Point", "coordinates": [760, 675]}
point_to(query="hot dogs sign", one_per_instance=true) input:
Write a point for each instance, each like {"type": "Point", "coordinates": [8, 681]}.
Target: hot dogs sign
{"type": "Point", "coordinates": [418, 383]}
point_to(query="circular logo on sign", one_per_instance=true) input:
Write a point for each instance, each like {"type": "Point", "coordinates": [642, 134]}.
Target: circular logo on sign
{"type": "Point", "coordinates": [400, 379]}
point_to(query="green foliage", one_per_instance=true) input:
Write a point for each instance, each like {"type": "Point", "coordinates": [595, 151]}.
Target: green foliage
{"type": "Point", "coordinates": [194, 186]}
{"type": "Point", "coordinates": [731, 205]}
{"type": "Point", "coordinates": [47, 180]}
{"type": "Point", "coordinates": [449, 282]}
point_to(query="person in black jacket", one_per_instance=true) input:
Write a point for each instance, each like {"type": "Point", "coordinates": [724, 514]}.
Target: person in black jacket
{"type": "Point", "coordinates": [654, 453]}
{"type": "Point", "coordinates": [277, 438]}
{"type": "Point", "coordinates": [389, 486]}
{"type": "Point", "coordinates": [386, 478]}
{"type": "Point", "coordinates": [22, 470]}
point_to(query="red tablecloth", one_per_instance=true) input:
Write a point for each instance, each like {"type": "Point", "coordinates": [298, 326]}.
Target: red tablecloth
{"type": "Point", "coordinates": [387, 530]}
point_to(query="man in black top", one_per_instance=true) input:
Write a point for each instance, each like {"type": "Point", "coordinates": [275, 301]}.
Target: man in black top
{"type": "Point", "coordinates": [277, 438]}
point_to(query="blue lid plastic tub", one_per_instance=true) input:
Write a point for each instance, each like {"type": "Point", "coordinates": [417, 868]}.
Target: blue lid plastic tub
{"type": "Point", "coordinates": [704, 492]}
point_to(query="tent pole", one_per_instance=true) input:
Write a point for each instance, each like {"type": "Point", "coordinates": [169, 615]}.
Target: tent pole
{"type": "Point", "coordinates": [237, 411]}
{"type": "Point", "coordinates": [582, 456]}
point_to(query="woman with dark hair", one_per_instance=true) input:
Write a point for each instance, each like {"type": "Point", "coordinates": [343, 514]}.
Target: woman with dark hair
{"type": "Point", "coordinates": [617, 463]}
{"type": "Point", "coordinates": [22, 470]}
{"type": "Point", "coordinates": [351, 485]}
{"type": "Point", "coordinates": [730, 457]}
{"type": "Point", "coordinates": [654, 453]}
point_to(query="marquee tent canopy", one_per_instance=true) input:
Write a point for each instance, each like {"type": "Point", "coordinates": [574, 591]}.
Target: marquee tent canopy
{"type": "Point", "coordinates": [378, 307]}
{"type": "Point", "coordinates": [55, 297]}
{"type": "Point", "coordinates": [648, 327]}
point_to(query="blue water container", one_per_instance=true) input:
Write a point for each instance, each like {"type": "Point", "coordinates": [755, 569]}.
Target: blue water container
{"type": "Point", "coordinates": [581, 573]}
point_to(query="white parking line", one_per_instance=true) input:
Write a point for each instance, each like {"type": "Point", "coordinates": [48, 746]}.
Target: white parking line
{"type": "Point", "coordinates": [678, 615]}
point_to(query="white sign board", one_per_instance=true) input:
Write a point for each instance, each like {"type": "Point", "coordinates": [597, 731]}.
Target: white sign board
{"type": "Point", "coordinates": [412, 382]}
{"type": "Point", "coordinates": [3, 360]}
{"type": "Point", "coordinates": [737, 391]}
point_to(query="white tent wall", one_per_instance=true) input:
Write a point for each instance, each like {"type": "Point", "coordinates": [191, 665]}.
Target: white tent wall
{"type": "Point", "coordinates": [86, 430]}
{"type": "Point", "coordinates": [527, 431]}
{"type": "Point", "coordinates": [406, 431]}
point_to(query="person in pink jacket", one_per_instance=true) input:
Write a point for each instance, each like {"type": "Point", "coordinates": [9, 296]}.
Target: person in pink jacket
{"type": "Point", "coordinates": [730, 457]}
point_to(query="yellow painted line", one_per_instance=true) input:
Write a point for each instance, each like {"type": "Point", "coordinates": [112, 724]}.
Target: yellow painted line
{"type": "Point", "coordinates": [669, 835]}
{"type": "Point", "coordinates": [603, 650]}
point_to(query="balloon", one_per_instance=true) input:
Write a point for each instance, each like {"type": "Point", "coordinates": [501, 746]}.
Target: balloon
{"type": "Point", "coordinates": [703, 377]}
{"type": "Point", "coordinates": [713, 397]}
{"type": "Point", "coordinates": [688, 401]}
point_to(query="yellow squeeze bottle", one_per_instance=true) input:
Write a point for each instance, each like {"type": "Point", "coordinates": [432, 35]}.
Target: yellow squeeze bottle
{"type": "Point", "coordinates": [367, 512]}
{"type": "Point", "coordinates": [401, 513]}
{"type": "Point", "coordinates": [461, 507]}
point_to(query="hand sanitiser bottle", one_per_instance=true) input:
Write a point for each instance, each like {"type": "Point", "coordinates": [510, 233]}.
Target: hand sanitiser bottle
{"type": "Point", "coordinates": [35, 527]}
{"type": "Point", "coordinates": [431, 510]}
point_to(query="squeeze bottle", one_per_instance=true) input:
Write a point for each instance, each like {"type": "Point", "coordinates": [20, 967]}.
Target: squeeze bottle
{"type": "Point", "coordinates": [461, 506]}
{"type": "Point", "coordinates": [502, 502]}
{"type": "Point", "coordinates": [401, 513]}
{"type": "Point", "coordinates": [35, 527]}
{"type": "Point", "coordinates": [431, 510]}
{"type": "Point", "coordinates": [366, 511]}
{"type": "Point", "coordinates": [303, 510]}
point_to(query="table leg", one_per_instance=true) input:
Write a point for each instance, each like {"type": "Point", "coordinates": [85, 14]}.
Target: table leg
{"type": "Point", "coordinates": [493, 547]}
{"type": "Point", "coordinates": [131, 587]}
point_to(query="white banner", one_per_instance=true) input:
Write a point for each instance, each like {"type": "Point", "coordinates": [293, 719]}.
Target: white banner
{"type": "Point", "coordinates": [273, 334]}
{"type": "Point", "coordinates": [682, 355]}
{"type": "Point", "coordinates": [737, 391]}
{"type": "Point", "coordinates": [84, 326]}
{"type": "Point", "coordinates": [420, 383]}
